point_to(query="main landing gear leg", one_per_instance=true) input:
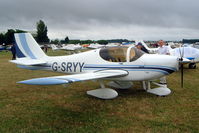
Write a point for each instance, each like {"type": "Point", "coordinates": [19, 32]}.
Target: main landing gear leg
{"type": "Point", "coordinates": [146, 85]}
{"type": "Point", "coordinates": [159, 91]}
{"type": "Point", "coordinates": [103, 93]}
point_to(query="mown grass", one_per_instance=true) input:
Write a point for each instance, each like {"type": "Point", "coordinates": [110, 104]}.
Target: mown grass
{"type": "Point", "coordinates": [25, 108]}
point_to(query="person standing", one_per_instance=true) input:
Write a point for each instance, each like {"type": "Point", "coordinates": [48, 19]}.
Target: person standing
{"type": "Point", "coordinates": [13, 50]}
{"type": "Point", "coordinates": [141, 47]}
{"type": "Point", "coordinates": [45, 48]}
{"type": "Point", "coordinates": [163, 50]}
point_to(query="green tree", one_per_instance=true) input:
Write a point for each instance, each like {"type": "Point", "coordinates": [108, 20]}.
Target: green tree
{"type": "Point", "coordinates": [2, 38]}
{"type": "Point", "coordinates": [42, 32]}
{"type": "Point", "coordinates": [9, 36]}
{"type": "Point", "coordinates": [56, 41]}
{"type": "Point", "coordinates": [66, 40]}
{"type": "Point", "coordinates": [74, 41]}
{"type": "Point", "coordinates": [86, 41]}
{"type": "Point", "coordinates": [102, 42]}
{"type": "Point", "coordinates": [19, 31]}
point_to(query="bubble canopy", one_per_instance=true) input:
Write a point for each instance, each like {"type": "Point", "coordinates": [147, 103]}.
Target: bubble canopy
{"type": "Point", "coordinates": [120, 54]}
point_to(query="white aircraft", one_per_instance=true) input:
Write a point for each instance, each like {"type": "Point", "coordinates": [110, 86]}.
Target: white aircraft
{"type": "Point", "coordinates": [54, 47]}
{"type": "Point", "coordinates": [174, 45]}
{"type": "Point", "coordinates": [69, 47]}
{"type": "Point", "coordinates": [95, 46]}
{"type": "Point", "coordinates": [121, 65]}
{"type": "Point", "coordinates": [113, 44]}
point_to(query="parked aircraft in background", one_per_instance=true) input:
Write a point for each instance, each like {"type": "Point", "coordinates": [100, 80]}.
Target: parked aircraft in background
{"type": "Point", "coordinates": [69, 47]}
{"type": "Point", "coordinates": [112, 44]}
{"type": "Point", "coordinates": [95, 46]}
{"type": "Point", "coordinates": [128, 44]}
{"type": "Point", "coordinates": [174, 45]}
{"type": "Point", "coordinates": [54, 47]}
{"type": "Point", "coordinates": [2, 48]}
{"type": "Point", "coordinates": [6, 48]}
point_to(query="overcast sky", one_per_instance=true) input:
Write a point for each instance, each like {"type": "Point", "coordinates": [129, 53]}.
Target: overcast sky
{"type": "Point", "coordinates": [105, 19]}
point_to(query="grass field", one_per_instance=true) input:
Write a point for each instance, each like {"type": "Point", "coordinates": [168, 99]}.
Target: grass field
{"type": "Point", "coordinates": [25, 108]}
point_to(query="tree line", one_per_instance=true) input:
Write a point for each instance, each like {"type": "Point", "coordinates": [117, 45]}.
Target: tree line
{"type": "Point", "coordinates": [42, 37]}
{"type": "Point", "coordinates": [67, 41]}
{"type": "Point", "coordinates": [8, 37]}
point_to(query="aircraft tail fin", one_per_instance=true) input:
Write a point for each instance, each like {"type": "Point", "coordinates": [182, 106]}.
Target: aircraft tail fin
{"type": "Point", "coordinates": [26, 46]}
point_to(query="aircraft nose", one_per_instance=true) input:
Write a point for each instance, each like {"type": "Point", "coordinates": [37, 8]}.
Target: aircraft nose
{"type": "Point", "coordinates": [175, 62]}
{"type": "Point", "coordinates": [163, 60]}
{"type": "Point", "coordinates": [171, 62]}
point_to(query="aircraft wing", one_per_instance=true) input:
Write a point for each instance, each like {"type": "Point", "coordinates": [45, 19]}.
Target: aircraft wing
{"type": "Point", "coordinates": [189, 60]}
{"type": "Point", "coordinates": [55, 80]}
{"type": "Point", "coordinates": [27, 61]}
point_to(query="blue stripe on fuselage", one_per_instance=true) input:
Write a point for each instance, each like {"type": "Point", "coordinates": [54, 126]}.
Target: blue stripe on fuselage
{"type": "Point", "coordinates": [123, 65]}
{"type": "Point", "coordinates": [135, 68]}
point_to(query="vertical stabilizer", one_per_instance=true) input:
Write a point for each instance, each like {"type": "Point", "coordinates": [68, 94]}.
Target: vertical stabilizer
{"type": "Point", "coordinates": [26, 46]}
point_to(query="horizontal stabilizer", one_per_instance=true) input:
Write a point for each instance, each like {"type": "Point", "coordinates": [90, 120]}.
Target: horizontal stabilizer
{"type": "Point", "coordinates": [185, 60]}
{"type": "Point", "coordinates": [28, 61]}
{"type": "Point", "coordinates": [190, 58]}
{"type": "Point", "coordinates": [75, 78]}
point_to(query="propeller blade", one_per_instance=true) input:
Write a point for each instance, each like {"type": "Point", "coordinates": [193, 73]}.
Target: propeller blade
{"type": "Point", "coordinates": [182, 67]}
{"type": "Point", "coordinates": [182, 75]}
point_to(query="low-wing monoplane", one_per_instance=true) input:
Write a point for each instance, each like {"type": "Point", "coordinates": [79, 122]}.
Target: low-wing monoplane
{"type": "Point", "coordinates": [54, 47]}
{"type": "Point", "coordinates": [121, 65]}
{"type": "Point", "coordinates": [68, 47]}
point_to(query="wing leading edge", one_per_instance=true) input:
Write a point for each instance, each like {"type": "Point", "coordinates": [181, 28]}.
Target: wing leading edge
{"type": "Point", "coordinates": [75, 78]}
